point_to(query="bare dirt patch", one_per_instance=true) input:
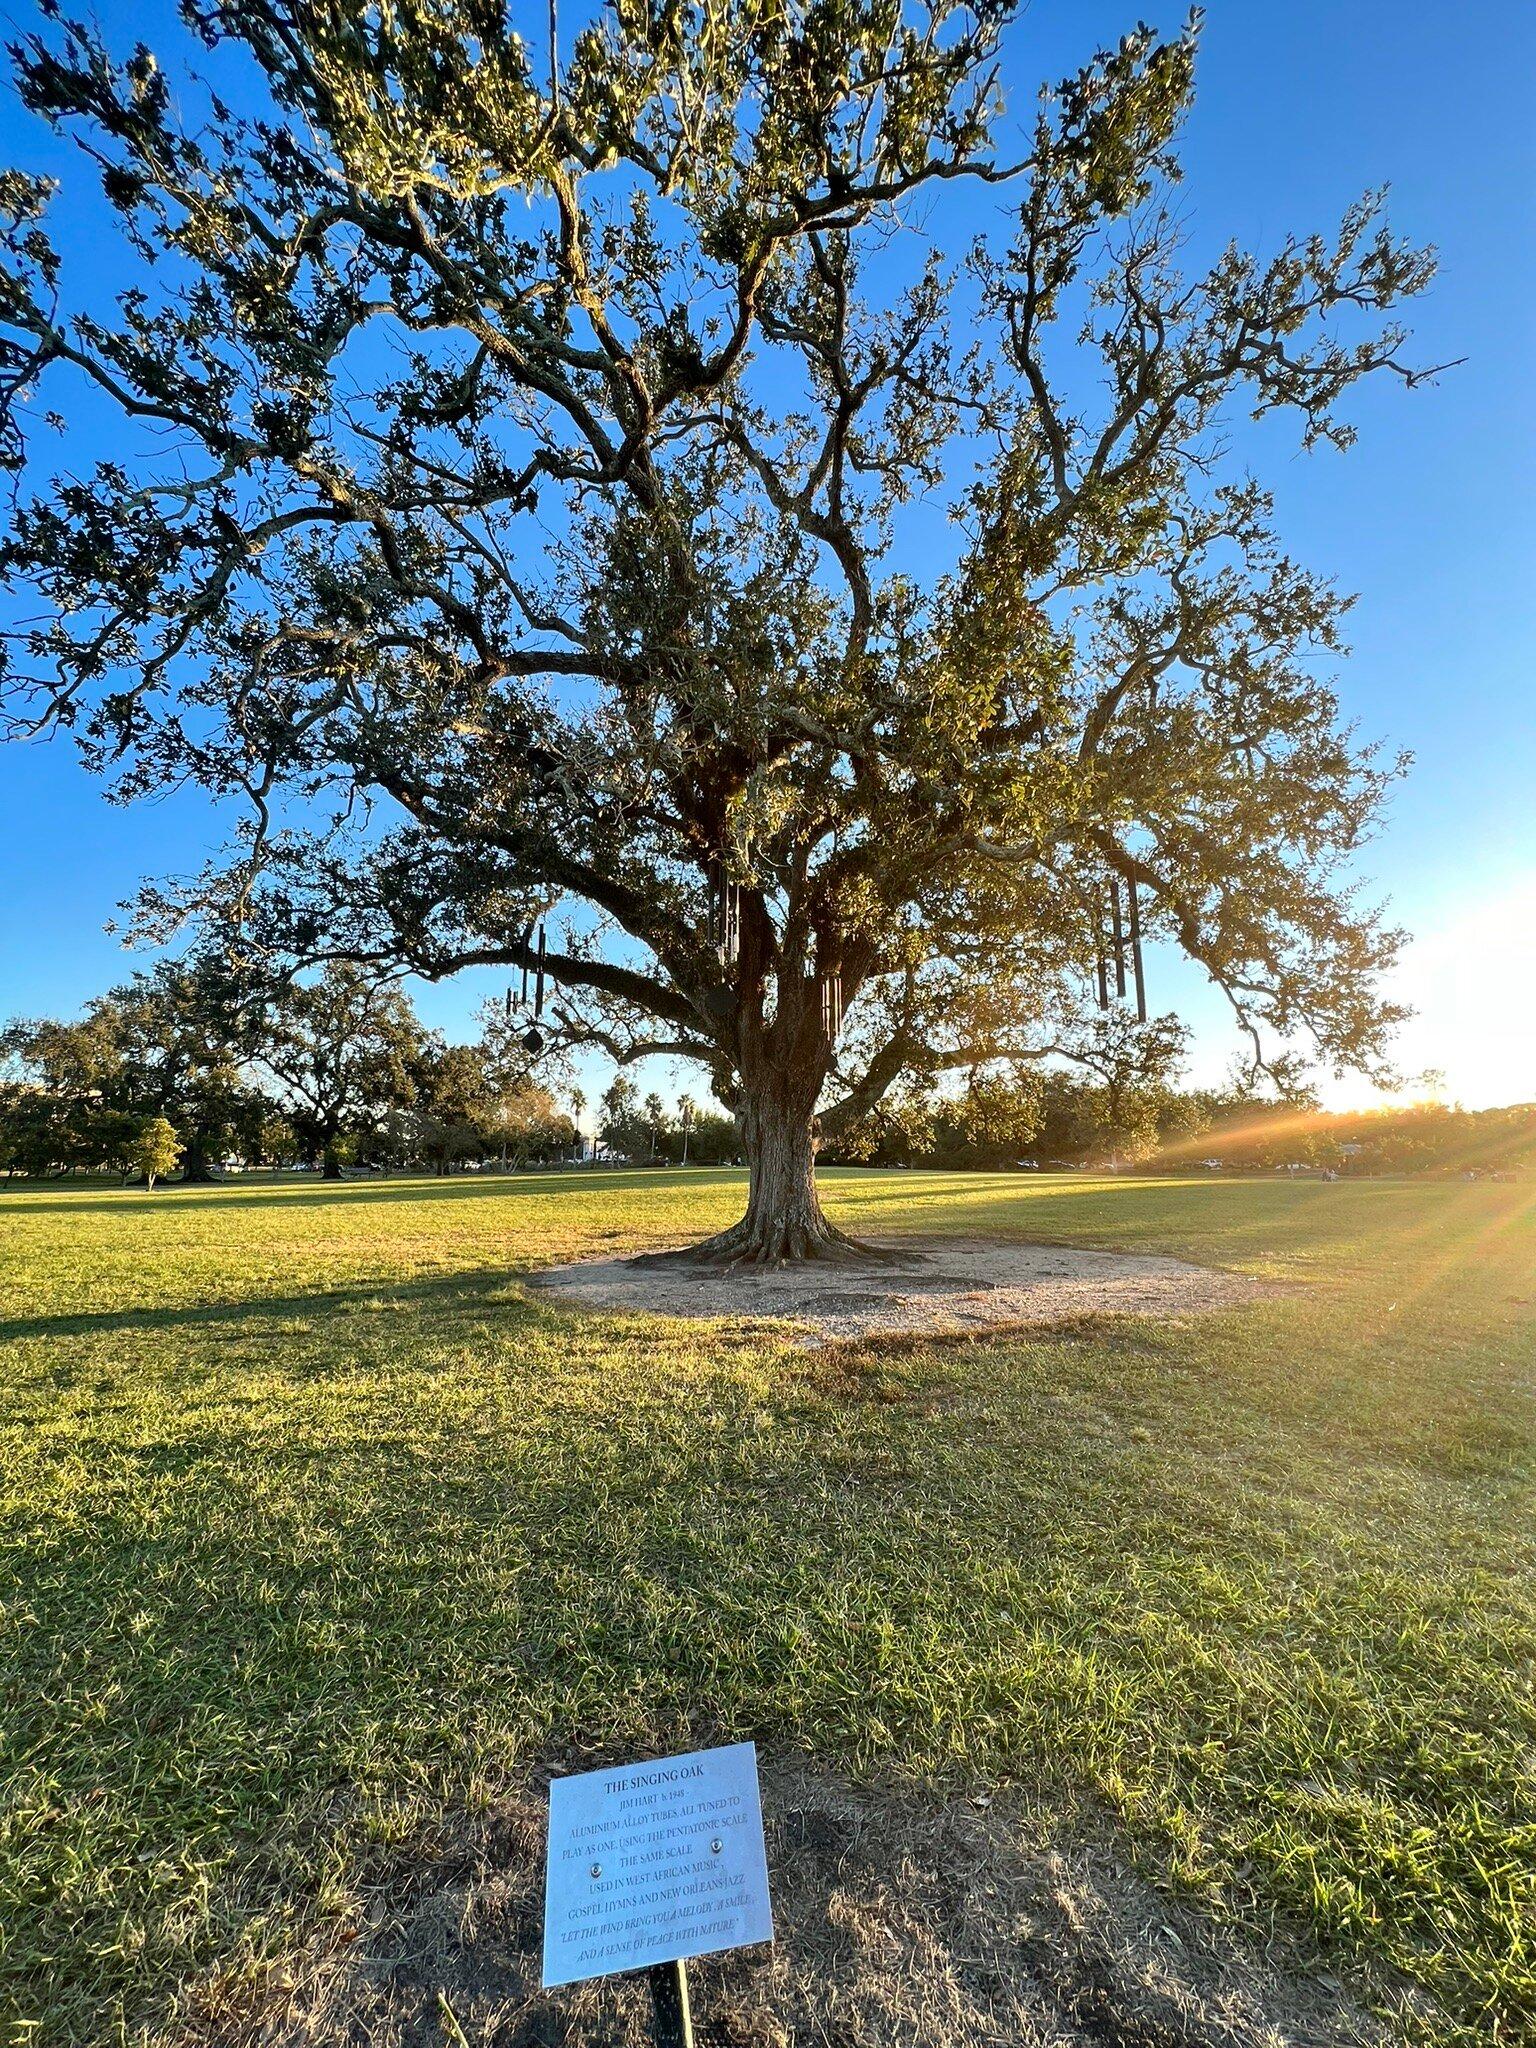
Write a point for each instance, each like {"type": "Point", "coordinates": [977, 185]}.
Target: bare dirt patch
{"type": "Point", "coordinates": [904, 1920]}
{"type": "Point", "coordinates": [934, 1285]}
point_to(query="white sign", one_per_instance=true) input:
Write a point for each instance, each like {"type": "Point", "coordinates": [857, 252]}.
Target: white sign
{"type": "Point", "coordinates": [652, 1862]}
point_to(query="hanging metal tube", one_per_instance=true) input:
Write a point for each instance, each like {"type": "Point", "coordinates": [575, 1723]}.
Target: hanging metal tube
{"type": "Point", "coordinates": [1141, 985]}
{"type": "Point", "coordinates": [1098, 952]}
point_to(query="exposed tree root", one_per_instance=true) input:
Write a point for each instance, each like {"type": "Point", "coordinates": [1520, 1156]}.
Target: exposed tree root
{"type": "Point", "coordinates": [752, 1245]}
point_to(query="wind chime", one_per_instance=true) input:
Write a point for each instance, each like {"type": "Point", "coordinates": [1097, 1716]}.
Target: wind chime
{"type": "Point", "coordinates": [1124, 934]}
{"type": "Point", "coordinates": [533, 1037]}
{"type": "Point", "coordinates": [724, 915]}
{"type": "Point", "coordinates": [832, 1006]}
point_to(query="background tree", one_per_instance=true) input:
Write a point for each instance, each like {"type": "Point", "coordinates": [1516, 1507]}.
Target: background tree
{"type": "Point", "coordinates": [654, 1112]}
{"type": "Point", "coordinates": [155, 1150]}
{"type": "Point", "coordinates": [63, 1102]}
{"type": "Point", "coordinates": [340, 1051]}
{"type": "Point", "coordinates": [453, 1105]}
{"type": "Point", "coordinates": [522, 1083]}
{"type": "Point", "coordinates": [599, 586]}
{"type": "Point", "coordinates": [16, 1125]}
{"type": "Point", "coordinates": [475, 1101]}
{"type": "Point", "coordinates": [903, 1125]}
{"type": "Point", "coordinates": [999, 1115]}
{"type": "Point", "coordinates": [180, 1043]}
{"type": "Point", "coordinates": [276, 1144]}
{"type": "Point", "coordinates": [528, 1124]}
{"type": "Point", "coordinates": [1135, 1068]}
{"type": "Point", "coordinates": [622, 1126]}
{"type": "Point", "coordinates": [713, 1140]}
{"type": "Point", "coordinates": [170, 1042]}
{"type": "Point", "coordinates": [687, 1117]}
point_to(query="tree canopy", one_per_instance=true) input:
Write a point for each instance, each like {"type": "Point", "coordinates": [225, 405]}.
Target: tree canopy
{"type": "Point", "coordinates": [527, 508]}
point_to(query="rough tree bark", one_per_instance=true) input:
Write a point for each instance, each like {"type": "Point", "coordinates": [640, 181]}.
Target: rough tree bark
{"type": "Point", "coordinates": [782, 1068]}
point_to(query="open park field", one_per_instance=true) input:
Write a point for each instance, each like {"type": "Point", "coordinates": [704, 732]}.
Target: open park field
{"type": "Point", "coordinates": [320, 1535]}
{"type": "Point", "coordinates": [913, 582]}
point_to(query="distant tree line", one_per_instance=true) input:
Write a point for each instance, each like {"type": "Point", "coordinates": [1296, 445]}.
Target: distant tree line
{"type": "Point", "coordinates": [644, 1131]}
{"type": "Point", "coordinates": [180, 1066]}
{"type": "Point", "coordinates": [182, 1070]}
{"type": "Point", "coordinates": [1058, 1118]}
{"type": "Point", "coordinates": [1125, 1111]}
{"type": "Point", "coordinates": [1416, 1137]}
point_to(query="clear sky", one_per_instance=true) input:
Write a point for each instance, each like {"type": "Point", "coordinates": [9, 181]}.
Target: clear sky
{"type": "Point", "coordinates": [1430, 517]}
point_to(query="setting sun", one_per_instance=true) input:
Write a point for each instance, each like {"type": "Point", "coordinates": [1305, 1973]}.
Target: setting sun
{"type": "Point", "coordinates": [1471, 981]}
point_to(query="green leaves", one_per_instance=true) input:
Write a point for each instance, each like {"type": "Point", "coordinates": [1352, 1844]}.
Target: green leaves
{"type": "Point", "coordinates": [521, 459]}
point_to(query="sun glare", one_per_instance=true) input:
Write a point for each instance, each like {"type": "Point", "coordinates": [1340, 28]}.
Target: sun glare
{"type": "Point", "coordinates": [1471, 980]}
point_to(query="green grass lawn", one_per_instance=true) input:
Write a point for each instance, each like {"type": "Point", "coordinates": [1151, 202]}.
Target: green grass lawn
{"type": "Point", "coordinates": [313, 1524]}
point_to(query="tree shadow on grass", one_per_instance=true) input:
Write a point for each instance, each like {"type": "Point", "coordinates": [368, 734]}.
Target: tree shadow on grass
{"type": "Point", "coordinates": [448, 1295]}
{"type": "Point", "coordinates": [324, 1194]}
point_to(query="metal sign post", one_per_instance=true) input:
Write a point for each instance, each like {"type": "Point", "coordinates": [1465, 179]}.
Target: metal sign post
{"type": "Point", "coordinates": [670, 2007]}
{"type": "Point", "coordinates": [672, 2012]}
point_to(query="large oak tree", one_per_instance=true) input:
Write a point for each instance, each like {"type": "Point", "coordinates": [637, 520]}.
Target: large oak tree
{"type": "Point", "coordinates": [527, 503]}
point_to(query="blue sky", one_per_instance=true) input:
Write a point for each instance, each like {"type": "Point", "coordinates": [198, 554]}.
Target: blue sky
{"type": "Point", "coordinates": [1430, 518]}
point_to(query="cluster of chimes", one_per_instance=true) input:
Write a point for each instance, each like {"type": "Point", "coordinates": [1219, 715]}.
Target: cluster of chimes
{"type": "Point", "coordinates": [831, 1006]}
{"type": "Point", "coordinates": [725, 937]}
{"type": "Point", "coordinates": [1114, 935]}
{"type": "Point", "coordinates": [533, 1037]}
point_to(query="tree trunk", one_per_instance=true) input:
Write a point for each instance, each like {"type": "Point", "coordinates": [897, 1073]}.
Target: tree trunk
{"type": "Point", "coordinates": [331, 1163]}
{"type": "Point", "coordinates": [195, 1169]}
{"type": "Point", "coordinates": [784, 1222]}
